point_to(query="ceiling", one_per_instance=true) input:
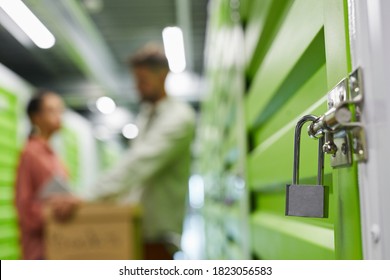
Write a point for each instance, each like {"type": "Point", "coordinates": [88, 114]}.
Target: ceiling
{"type": "Point", "coordinates": [94, 39]}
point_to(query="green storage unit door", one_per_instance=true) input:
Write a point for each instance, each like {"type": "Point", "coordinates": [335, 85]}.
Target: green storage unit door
{"type": "Point", "coordinates": [294, 64]}
{"type": "Point", "coordinates": [9, 152]}
{"type": "Point", "coordinates": [295, 52]}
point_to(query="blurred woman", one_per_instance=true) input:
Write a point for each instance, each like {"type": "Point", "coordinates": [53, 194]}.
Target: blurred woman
{"type": "Point", "coordinates": [38, 165]}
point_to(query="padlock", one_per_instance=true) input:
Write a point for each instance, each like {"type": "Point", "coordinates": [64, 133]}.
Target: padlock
{"type": "Point", "coordinates": [306, 200]}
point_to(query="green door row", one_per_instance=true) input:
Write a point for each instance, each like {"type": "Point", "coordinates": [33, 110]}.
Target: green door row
{"type": "Point", "coordinates": [9, 151]}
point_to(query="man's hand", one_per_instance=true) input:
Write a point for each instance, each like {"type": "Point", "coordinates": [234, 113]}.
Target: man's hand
{"type": "Point", "coordinates": [63, 206]}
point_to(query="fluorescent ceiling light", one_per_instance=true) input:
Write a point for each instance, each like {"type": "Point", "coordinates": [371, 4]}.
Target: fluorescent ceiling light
{"type": "Point", "coordinates": [15, 30]}
{"type": "Point", "coordinates": [28, 22]}
{"type": "Point", "coordinates": [174, 48]}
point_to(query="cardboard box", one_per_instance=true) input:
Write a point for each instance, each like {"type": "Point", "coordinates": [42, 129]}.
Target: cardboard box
{"type": "Point", "coordinates": [95, 232]}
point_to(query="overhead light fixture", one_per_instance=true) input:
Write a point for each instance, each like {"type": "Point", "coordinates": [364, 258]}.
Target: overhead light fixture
{"type": "Point", "coordinates": [29, 23]}
{"type": "Point", "coordinates": [105, 105]}
{"type": "Point", "coordinates": [130, 131]}
{"type": "Point", "coordinates": [174, 48]}
{"type": "Point", "coordinates": [196, 191]}
{"type": "Point", "coordinates": [15, 30]}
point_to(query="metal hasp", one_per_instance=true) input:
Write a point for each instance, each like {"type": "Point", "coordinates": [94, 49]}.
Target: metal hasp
{"type": "Point", "coordinates": [341, 123]}
{"type": "Point", "coordinates": [359, 143]}
{"type": "Point", "coordinates": [306, 200]}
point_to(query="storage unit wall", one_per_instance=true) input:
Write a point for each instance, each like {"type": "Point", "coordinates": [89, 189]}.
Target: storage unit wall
{"type": "Point", "coordinates": [295, 52]}
{"type": "Point", "coordinates": [9, 151]}
{"type": "Point", "coordinates": [221, 160]}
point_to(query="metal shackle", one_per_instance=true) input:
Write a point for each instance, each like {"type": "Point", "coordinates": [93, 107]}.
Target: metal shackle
{"type": "Point", "coordinates": [297, 144]}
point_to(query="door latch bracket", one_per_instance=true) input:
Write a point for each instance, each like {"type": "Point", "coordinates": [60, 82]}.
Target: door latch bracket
{"type": "Point", "coordinates": [341, 125]}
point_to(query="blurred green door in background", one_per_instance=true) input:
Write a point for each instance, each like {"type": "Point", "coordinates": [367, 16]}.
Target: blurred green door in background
{"type": "Point", "coordinates": [294, 52]}
{"type": "Point", "coordinates": [9, 154]}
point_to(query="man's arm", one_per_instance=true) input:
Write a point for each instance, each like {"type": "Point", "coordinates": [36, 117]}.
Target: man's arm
{"type": "Point", "coordinates": [168, 138]}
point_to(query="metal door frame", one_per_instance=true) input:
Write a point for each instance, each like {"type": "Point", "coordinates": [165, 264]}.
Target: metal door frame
{"type": "Point", "coordinates": [370, 41]}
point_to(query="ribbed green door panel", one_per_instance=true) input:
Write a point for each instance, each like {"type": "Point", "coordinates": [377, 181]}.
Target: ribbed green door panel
{"type": "Point", "coordinates": [290, 43]}
{"type": "Point", "coordinates": [274, 237]}
{"type": "Point", "coordinates": [296, 51]}
{"type": "Point", "coordinates": [7, 177]}
{"type": "Point", "coordinates": [264, 19]}
{"type": "Point", "coordinates": [9, 154]}
{"type": "Point", "coordinates": [272, 157]}
{"type": "Point", "coordinates": [308, 56]}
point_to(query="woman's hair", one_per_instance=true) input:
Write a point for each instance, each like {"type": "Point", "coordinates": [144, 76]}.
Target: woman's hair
{"type": "Point", "coordinates": [35, 104]}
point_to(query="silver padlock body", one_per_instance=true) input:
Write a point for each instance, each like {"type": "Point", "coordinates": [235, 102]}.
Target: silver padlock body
{"type": "Point", "coordinates": [305, 200]}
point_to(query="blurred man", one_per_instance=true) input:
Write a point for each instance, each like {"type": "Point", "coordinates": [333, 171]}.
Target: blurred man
{"type": "Point", "coordinates": [157, 165]}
